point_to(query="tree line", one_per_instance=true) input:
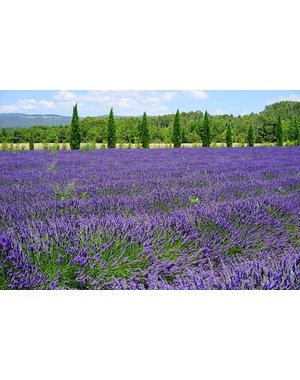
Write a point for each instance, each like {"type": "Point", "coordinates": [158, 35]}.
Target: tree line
{"type": "Point", "coordinates": [277, 124]}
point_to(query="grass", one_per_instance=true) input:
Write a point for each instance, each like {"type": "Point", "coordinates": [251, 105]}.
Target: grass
{"type": "Point", "coordinates": [67, 193]}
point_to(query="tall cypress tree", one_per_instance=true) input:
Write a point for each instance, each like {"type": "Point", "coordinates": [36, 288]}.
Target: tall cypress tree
{"type": "Point", "coordinates": [229, 136]}
{"type": "Point", "coordinates": [250, 136]}
{"type": "Point", "coordinates": [279, 133]}
{"type": "Point", "coordinates": [145, 132]}
{"type": "Point", "coordinates": [75, 138]}
{"type": "Point", "coordinates": [206, 132]}
{"type": "Point", "coordinates": [177, 134]}
{"type": "Point", "coordinates": [31, 142]}
{"type": "Point", "coordinates": [111, 131]}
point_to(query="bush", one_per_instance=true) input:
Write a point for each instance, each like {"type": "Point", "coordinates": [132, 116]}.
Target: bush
{"type": "Point", "coordinates": [4, 146]}
{"type": "Point", "coordinates": [86, 147]}
{"type": "Point", "coordinates": [45, 145]}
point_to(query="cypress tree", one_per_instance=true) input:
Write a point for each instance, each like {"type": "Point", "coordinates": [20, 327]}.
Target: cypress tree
{"type": "Point", "coordinates": [229, 136]}
{"type": "Point", "coordinates": [75, 138]}
{"type": "Point", "coordinates": [279, 133]}
{"type": "Point", "coordinates": [177, 134]}
{"type": "Point", "coordinates": [111, 131]}
{"type": "Point", "coordinates": [250, 136]}
{"type": "Point", "coordinates": [206, 132]}
{"type": "Point", "coordinates": [145, 132]}
{"type": "Point", "coordinates": [31, 142]}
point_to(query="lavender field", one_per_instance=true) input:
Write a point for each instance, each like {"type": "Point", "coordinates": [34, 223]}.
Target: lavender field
{"type": "Point", "coordinates": [158, 219]}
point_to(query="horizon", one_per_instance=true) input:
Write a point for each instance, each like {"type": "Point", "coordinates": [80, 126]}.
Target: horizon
{"type": "Point", "coordinates": [135, 102]}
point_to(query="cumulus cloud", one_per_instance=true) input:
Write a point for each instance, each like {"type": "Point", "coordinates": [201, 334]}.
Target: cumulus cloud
{"type": "Point", "coordinates": [124, 102]}
{"type": "Point", "coordinates": [195, 94]}
{"type": "Point", "coordinates": [9, 108]}
{"type": "Point", "coordinates": [27, 104]}
{"type": "Point", "coordinates": [169, 96]}
{"type": "Point", "coordinates": [65, 96]}
{"type": "Point", "coordinates": [127, 102]}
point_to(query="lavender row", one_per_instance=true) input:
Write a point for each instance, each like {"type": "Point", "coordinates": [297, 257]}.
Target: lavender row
{"type": "Point", "coordinates": [159, 219]}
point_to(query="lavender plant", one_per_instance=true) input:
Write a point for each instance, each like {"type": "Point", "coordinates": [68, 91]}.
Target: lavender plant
{"type": "Point", "coordinates": [150, 219]}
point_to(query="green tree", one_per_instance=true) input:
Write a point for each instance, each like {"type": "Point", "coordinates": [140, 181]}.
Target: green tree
{"type": "Point", "coordinates": [279, 133]}
{"type": "Point", "coordinates": [229, 136]}
{"type": "Point", "coordinates": [140, 131]}
{"type": "Point", "coordinates": [111, 131]}
{"type": "Point", "coordinates": [145, 132]}
{"type": "Point", "coordinates": [31, 140]}
{"type": "Point", "coordinates": [177, 134]}
{"type": "Point", "coordinates": [250, 136]}
{"type": "Point", "coordinates": [206, 139]}
{"type": "Point", "coordinates": [75, 138]}
{"type": "Point", "coordinates": [298, 134]}
{"type": "Point", "coordinates": [4, 134]}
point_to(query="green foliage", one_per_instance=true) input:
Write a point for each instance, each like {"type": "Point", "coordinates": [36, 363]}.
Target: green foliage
{"type": "Point", "coordinates": [284, 109]}
{"type": "Point", "coordinates": [194, 200]}
{"type": "Point", "coordinates": [145, 132]}
{"type": "Point", "coordinates": [139, 136]}
{"type": "Point", "coordinates": [161, 128]}
{"type": "Point", "coordinates": [229, 136]}
{"type": "Point", "coordinates": [67, 193]}
{"type": "Point", "coordinates": [177, 134]}
{"type": "Point", "coordinates": [45, 145]}
{"type": "Point", "coordinates": [250, 136]}
{"type": "Point", "coordinates": [4, 146]}
{"type": "Point", "coordinates": [75, 137]}
{"type": "Point", "coordinates": [55, 146]}
{"type": "Point", "coordinates": [31, 140]}
{"type": "Point", "coordinates": [86, 147]}
{"type": "Point", "coordinates": [206, 138]}
{"type": "Point", "coordinates": [279, 133]}
{"type": "Point", "coordinates": [111, 131]}
{"type": "Point", "coordinates": [298, 134]}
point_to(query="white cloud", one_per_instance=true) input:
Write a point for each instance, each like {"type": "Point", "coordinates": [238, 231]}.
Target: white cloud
{"type": "Point", "coordinates": [168, 96]}
{"type": "Point", "coordinates": [123, 102]}
{"type": "Point", "coordinates": [292, 97]}
{"type": "Point", "coordinates": [8, 108]}
{"type": "Point", "coordinates": [126, 103]}
{"type": "Point", "coordinates": [31, 104]}
{"type": "Point", "coordinates": [280, 98]}
{"type": "Point", "coordinates": [65, 96]}
{"type": "Point", "coordinates": [27, 104]}
{"type": "Point", "coordinates": [195, 94]}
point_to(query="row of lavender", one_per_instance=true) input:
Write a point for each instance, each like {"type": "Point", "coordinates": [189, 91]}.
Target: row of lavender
{"type": "Point", "coordinates": [159, 219]}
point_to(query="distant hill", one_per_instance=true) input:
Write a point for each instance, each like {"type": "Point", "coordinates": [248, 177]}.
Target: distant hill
{"type": "Point", "coordinates": [288, 110]}
{"type": "Point", "coordinates": [21, 120]}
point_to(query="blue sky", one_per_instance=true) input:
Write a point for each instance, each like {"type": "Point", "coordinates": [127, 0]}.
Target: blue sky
{"type": "Point", "coordinates": [92, 103]}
